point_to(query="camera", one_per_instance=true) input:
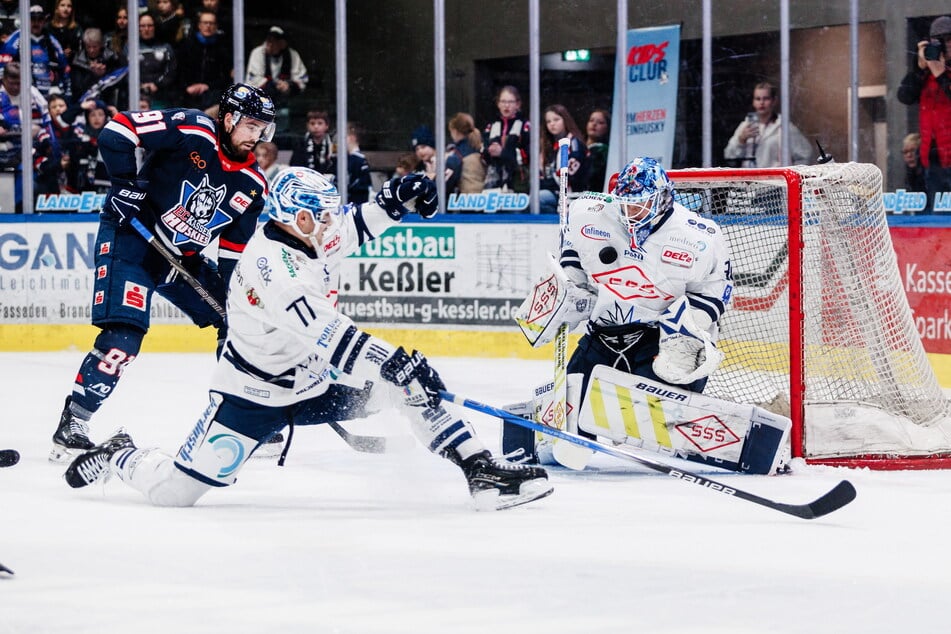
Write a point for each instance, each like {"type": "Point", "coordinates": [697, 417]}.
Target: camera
{"type": "Point", "coordinates": [933, 50]}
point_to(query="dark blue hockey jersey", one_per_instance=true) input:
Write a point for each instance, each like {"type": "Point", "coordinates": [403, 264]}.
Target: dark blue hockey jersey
{"type": "Point", "coordinates": [195, 192]}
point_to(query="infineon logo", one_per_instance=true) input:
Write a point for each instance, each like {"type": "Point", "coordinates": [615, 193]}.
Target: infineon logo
{"type": "Point", "coordinates": [433, 243]}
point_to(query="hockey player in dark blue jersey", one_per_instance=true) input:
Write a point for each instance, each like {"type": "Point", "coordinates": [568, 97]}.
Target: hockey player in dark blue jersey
{"type": "Point", "coordinates": [198, 182]}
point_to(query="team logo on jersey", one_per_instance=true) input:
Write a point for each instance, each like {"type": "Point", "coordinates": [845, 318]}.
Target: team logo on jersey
{"type": "Point", "coordinates": [178, 116]}
{"type": "Point", "coordinates": [253, 298]}
{"type": "Point", "coordinates": [198, 214]}
{"type": "Point", "coordinates": [630, 282]}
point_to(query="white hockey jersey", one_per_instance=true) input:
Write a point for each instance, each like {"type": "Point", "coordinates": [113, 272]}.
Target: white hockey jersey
{"type": "Point", "coordinates": [286, 340]}
{"type": "Point", "coordinates": [636, 280]}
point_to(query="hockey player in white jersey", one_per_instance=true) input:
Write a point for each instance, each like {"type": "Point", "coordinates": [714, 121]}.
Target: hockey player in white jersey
{"type": "Point", "coordinates": [652, 279]}
{"type": "Point", "coordinates": [291, 357]}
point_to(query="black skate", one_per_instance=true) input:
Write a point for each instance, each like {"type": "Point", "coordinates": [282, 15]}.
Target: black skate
{"type": "Point", "coordinates": [497, 485]}
{"type": "Point", "coordinates": [94, 464]}
{"type": "Point", "coordinates": [71, 438]}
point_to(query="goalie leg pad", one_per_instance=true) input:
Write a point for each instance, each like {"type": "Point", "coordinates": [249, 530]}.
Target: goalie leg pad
{"type": "Point", "coordinates": [765, 450]}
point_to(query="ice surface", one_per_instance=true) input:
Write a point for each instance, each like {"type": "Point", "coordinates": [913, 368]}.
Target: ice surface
{"type": "Point", "coordinates": [342, 542]}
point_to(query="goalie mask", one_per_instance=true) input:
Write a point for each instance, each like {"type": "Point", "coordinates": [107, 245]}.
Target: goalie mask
{"type": "Point", "coordinates": [644, 194]}
{"type": "Point", "coordinates": [296, 189]}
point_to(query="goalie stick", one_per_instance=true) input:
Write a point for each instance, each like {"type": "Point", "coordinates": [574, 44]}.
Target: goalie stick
{"type": "Point", "coordinates": [368, 444]}
{"type": "Point", "coordinates": [840, 495]}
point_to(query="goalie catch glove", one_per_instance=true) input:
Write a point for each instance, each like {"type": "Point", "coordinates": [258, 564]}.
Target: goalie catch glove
{"type": "Point", "coordinates": [686, 349]}
{"type": "Point", "coordinates": [403, 194]}
{"type": "Point", "coordinates": [127, 200]}
{"type": "Point", "coordinates": [419, 382]}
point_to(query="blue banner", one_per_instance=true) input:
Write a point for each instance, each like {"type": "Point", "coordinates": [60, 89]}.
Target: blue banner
{"type": "Point", "coordinates": [649, 74]}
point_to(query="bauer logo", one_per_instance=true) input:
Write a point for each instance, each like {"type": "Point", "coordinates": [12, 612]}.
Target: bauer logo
{"type": "Point", "coordinates": [489, 202]}
{"type": "Point", "coordinates": [432, 243]}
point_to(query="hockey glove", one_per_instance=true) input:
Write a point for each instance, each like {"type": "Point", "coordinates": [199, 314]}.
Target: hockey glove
{"type": "Point", "coordinates": [400, 195]}
{"type": "Point", "coordinates": [686, 349]}
{"type": "Point", "coordinates": [421, 384]}
{"type": "Point", "coordinates": [128, 197]}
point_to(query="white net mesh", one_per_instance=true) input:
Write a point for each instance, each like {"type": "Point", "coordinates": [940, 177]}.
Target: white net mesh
{"type": "Point", "coordinates": [868, 386]}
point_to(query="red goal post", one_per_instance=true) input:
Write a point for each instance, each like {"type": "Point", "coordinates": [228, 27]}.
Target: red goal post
{"type": "Point", "coordinates": [819, 326]}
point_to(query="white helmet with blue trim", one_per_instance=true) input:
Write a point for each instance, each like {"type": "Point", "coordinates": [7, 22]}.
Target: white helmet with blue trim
{"type": "Point", "coordinates": [296, 189]}
{"type": "Point", "coordinates": [644, 184]}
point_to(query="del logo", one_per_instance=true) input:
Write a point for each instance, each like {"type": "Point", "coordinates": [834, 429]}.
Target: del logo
{"type": "Point", "coordinates": [708, 433]}
{"type": "Point", "coordinates": [593, 233]}
{"type": "Point", "coordinates": [677, 257]}
{"type": "Point", "coordinates": [134, 296]}
{"type": "Point", "coordinates": [630, 282]}
{"type": "Point", "coordinates": [239, 202]}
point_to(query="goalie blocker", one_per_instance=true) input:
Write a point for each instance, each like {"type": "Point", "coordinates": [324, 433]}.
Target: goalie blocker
{"type": "Point", "coordinates": [630, 409]}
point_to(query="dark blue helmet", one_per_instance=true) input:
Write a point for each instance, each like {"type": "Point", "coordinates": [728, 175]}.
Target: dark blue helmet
{"type": "Point", "coordinates": [243, 100]}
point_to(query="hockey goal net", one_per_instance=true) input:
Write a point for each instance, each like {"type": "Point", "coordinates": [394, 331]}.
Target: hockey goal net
{"type": "Point", "coordinates": [820, 328]}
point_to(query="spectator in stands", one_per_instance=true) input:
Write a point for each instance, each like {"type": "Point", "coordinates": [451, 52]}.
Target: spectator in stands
{"type": "Point", "coordinates": [598, 135]}
{"type": "Point", "coordinates": [225, 31]}
{"type": "Point", "coordinates": [423, 143]}
{"type": "Point", "coordinates": [205, 70]}
{"type": "Point", "coordinates": [405, 164]}
{"type": "Point", "coordinates": [358, 169]}
{"type": "Point", "coordinates": [467, 147]}
{"type": "Point", "coordinates": [67, 135]}
{"type": "Point", "coordinates": [507, 141]}
{"type": "Point", "coordinates": [756, 142]}
{"type": "Point", "coordinates": [64, 27]}
{"type": "Point", "coordinates": [559, 124]}
{"type": "Point", "coordinates": [158, 65]}
{"type": "Point", "coordinates": [277, 69]}
{"type": "Point", "coordinates": [50, 66]}
{"type": "Point", "coordinates": [9, 17]}
{"type": "Point", "coordinates": [171, 26]}
{"type": "Point", "coordinates": [914, 172]}
{"type": "Point", "coordinates": [316, 149]}
{"type": "Point", "coordinates": [93, 63]}
{"type": "Point", "coordinates": [91, 173]}
{"type": "Point", "coordinates": [928, 86]}
{"type": "Point", "coordinates": [11, 123]}
{"type": "Point", "coordinates": [117, 40]}
{"type": "Point", "coordinates": [265, 153]}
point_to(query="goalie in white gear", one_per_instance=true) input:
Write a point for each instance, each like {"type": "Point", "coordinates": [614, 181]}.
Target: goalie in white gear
{"type": "Point", "coordinates": [650, 277]}
{"type": "Point", "coordinates": [292, 358]}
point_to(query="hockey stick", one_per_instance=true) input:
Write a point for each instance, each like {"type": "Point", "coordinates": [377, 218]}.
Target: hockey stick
{"type": "Point", "coordinates": [374, 444]}
{"type": "Point", "coordinates": [561, 339]}
{"type": "Point", "coordinates": [840, 495]}
{"type": "Point", "coordinates": [370, 444]}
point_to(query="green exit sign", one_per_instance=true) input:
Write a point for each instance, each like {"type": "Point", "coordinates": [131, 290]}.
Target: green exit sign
{"type": "Point", "coordinates": [577, 55]}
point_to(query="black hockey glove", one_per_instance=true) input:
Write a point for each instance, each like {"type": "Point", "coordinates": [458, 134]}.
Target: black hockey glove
{"type": "Point", "coordinates": [420, 382]}
{"type": "Point", "coordinates": [127, 199]}
{"type": "Point", "coordinates": [403, 190]}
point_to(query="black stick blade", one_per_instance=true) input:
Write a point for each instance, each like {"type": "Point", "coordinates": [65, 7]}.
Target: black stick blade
{"type": "Point", "coordinates": [840, 495]}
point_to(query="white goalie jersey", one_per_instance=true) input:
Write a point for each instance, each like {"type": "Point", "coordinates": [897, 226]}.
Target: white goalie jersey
{"type": "Point", "coordinates": [683, 255]}
{"type": "Point", "coordinates": [286, 339]}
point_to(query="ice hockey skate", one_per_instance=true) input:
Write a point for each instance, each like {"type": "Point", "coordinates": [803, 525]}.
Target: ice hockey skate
{"type": "Point", "coordinates": [94, 464]}
{"type": "Point", "coordinates": [497, 485]}
{"type": "Point", "coordinates": [71, 438]}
